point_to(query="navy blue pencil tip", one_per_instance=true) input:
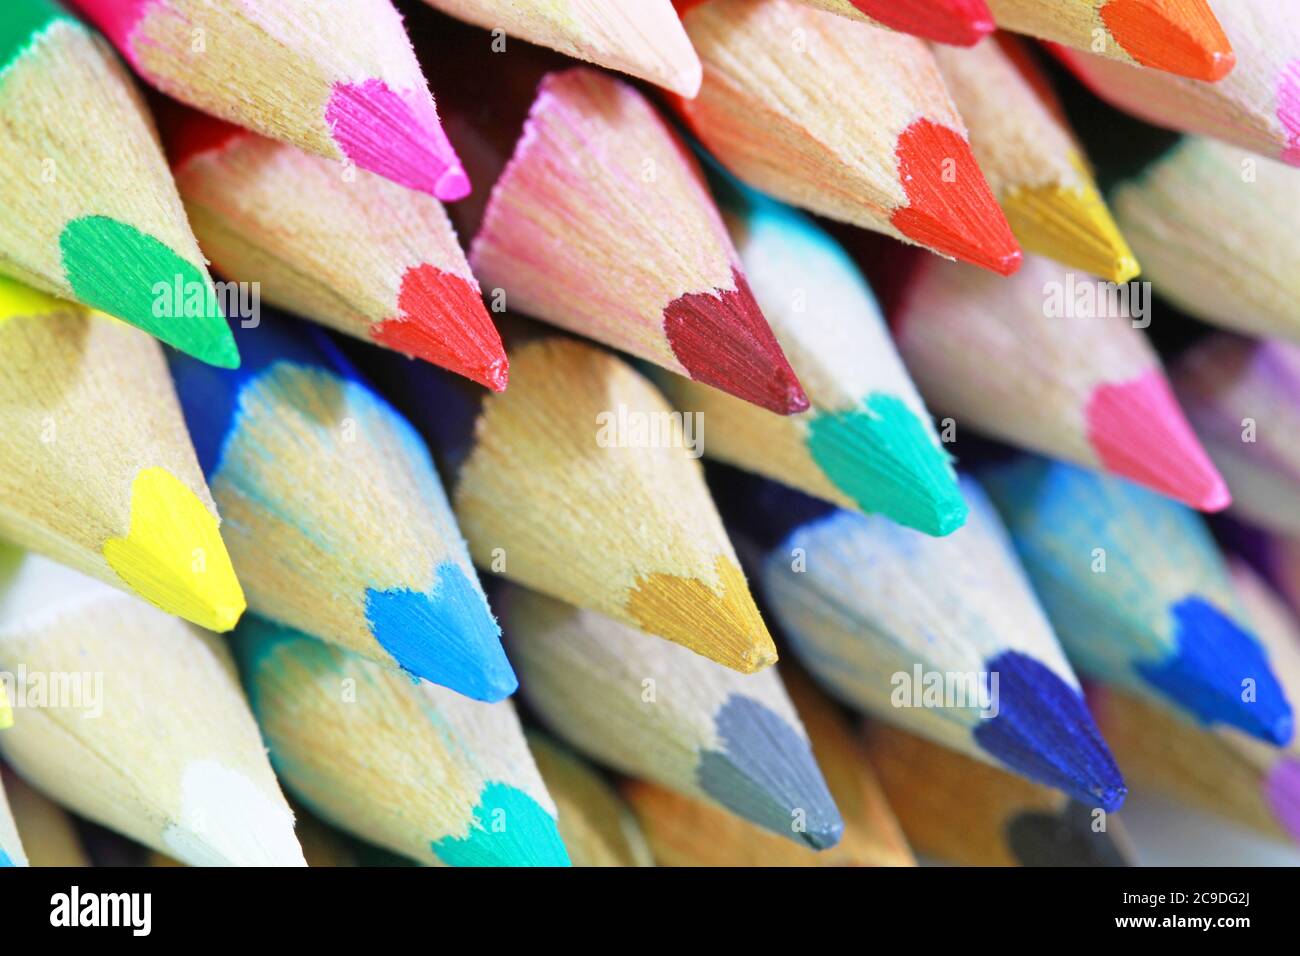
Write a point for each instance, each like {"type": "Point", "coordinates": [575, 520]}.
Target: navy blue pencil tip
{"type": "Point", "coordinates": [1041, 728]}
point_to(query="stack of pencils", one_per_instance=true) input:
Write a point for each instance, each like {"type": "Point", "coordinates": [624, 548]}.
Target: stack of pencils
{"type": "Point", "coordinates": [861, 431]}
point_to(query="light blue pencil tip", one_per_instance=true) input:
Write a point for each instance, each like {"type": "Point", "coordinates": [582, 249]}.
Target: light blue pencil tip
{"type": "Point", "coordinates": [447, 636]}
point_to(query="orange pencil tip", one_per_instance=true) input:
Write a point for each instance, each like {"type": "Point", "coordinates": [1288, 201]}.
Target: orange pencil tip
{"type": "Point", "coordinates": [1183, 38]}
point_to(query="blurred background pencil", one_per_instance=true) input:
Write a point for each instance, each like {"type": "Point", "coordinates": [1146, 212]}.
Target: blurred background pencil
{"type": "Point", "coordinates": [406, 765]}
{"type": "Point", "coordinates": [555, 490]}
{"type": "Point", "coordinates": [11, 847]}
{"type": "Point", "coordinates": [593, 216]}
{"type": "Point", "coordinates": [596, 825]}
{"type": "Point", "coordinates": [688, 832]}
{"type": "Point", "coordinates": [876, 612]}
{"type": "Point", "coordinates": [48, 832]}
{"type": "Point", "coordinates": [341, 81]}
{"type": "Point", "coordinates": [960, 22]}
{"type": "Point", "coordinates": [96, 467]}
{"type": "Point", "coordinates": [655, 711]}
{"type": "Point", "coordinates": [957, 810]}
{"type": "Point", "coordinates": [1035, 167]}
{"type": "Point", "coordinates": [148, 733]}
{"type": "Point", "coordinates": [91, 212]}
{"type": "Point", "coordinates": [1087, 386]}
{"type": "Point", "coordinates": [643, 38]}
{"type": "Point", "coordinates": [1256, 106]}
{"type": "Point", "coordinates": [1139, 594]}
{"type": "Point", "coordinates": [1243, 398]}
{"type": "Point", "coordinates": [354, 252]}
{"type": "Point", "coordinates": [1182, 37]}
{"type": "Point", "coordinates": [789, 121]}
{"type": "Point", "coordinates": [867, 442]}
{"type": "Point", "coordinates": [1224, 772]}
{"type": "Point", "coordinates": [336, 518]}
{"type": "Point", "coordinates": [1214, 231]}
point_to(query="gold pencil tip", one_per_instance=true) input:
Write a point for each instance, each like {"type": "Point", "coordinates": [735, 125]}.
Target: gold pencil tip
{"type": "Point", "coordinates": [723, 625]}
{"type": "Point", "coordinates": [1072, 226]}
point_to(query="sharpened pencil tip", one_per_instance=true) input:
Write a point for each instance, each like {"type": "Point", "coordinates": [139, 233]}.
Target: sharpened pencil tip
{"type": "Point", "coordinates": [950, 206]}
{"type": "Point", "coordinates": [956, 22]}
{"type": "Point", "coordinates": [1215, 662]}
{"type": "Point", "coordinates": [529, 838]}
{"type": "Point", "coordinates": [1139, 432]}
{"type": "Point", "coordinates": [723, 625]}
{"type": "Point", "coordinates": [765, 772]}
{"type": "Point", "coordinates": [1185, 39]}
{"type": "Point", "coordinates": [883, 456]}
{"type": "Point", "coordinates": [398, 136]}
{"type": "Point", "coordinates": [446, 636]}
{"type": "Point", "coordinates": [1072, 226]}
{"type": "Point", "coordinates": [722, 339]}
{"type": "Point", "coordinates": [1042, 730]}
{"type": "Point", "coordinates": [442, 320]}
{"type": "Point", "coordinates": [173, 555]}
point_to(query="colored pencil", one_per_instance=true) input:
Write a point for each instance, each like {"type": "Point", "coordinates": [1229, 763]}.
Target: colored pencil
{"type": "Point", "coordinates": [6, 711]}
{"type": "Point", "coordinates": [1139, 594]}
{"type": "Point", "coordinates": [11, 847]}
{"type": "Point", "coordinates": [597, 827]}
{"type": "Point", "coordinates": [146, 730]}
{"type": "Point", "coordinates": [1256, 106]}
{"type": "Point", "coordinates": [652, 710]}
{"type": "Point", "coordinates": [642, 38]}
{"type": "Point", "coordinates": [868, 441]}
{"type": "Point", "coordinates": [335, 516]}
{"type": "Point", "coordinates": [687, 832]}
{"type": "Point", "coordinates": [593, 216]}
{"type": "Point", "coordinates": [49, 835]}
{"type": "Point", "coordinates": [963, 811]}
{"type": "Point", "coordinates": [1215, 236]}
{"type": "Point", "coordinates": [1243, 397]}
{"type": "Point", "coordinates": [357, 253]}
{"type": "Point", "coordinates": [96, 468]}
{"type": "Point", "coordinates": [959, 22]}
{"type": "Point", "coordinates": [408, 766]}
{"type": "Point", "coordinates": [1087, 386]}
{"type": "Point", "coordinates": [341, 81]}
{"type": "Point", "coordinates": [875, 612]}
{"type": "Point", "coordinates": [1226, 772]}
{"type": "Point", "coordinates": [90, 211]}
{"type": "Point", "coordinates": [1182, 37]}
{"type": "Point", "coordinates": [782, 107]}
{"type": "Point", "coordinates": [1034, 165]}
{"type": "Point", "coordinates": [554, 491]}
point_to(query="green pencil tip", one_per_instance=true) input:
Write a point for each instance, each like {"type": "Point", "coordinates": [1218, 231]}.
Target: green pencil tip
{"type": "Point", "coordinates": [509, 829]}
{"type": "Point", "coordinates": [882, 456]}
{"type": "Point", "coordinates": [116, 268]}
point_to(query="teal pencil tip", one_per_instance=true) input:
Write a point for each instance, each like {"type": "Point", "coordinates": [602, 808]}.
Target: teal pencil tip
{"type": "Point", "coordinates": [883, 456]}
{"type": "Point", "coordinates": [509, 829]}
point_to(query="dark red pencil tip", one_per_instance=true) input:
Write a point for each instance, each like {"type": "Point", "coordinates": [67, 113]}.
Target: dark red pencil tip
{"type": "Point", "coordinates": [950, 206]}
{"type": "Point", "coordinates": [441, 319]}
{"type": "Point", "coordinates": [958, 22]}
{"type": "Point", "coordinates": [722, 339]}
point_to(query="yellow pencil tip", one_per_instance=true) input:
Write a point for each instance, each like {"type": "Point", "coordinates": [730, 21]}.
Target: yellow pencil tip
{"type": "Point", "coordinates": [1074, 226]}
{"type": "Point", "coordinates": [723, 625]}
{"type": "Point", "coordinates": [173, 555]}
